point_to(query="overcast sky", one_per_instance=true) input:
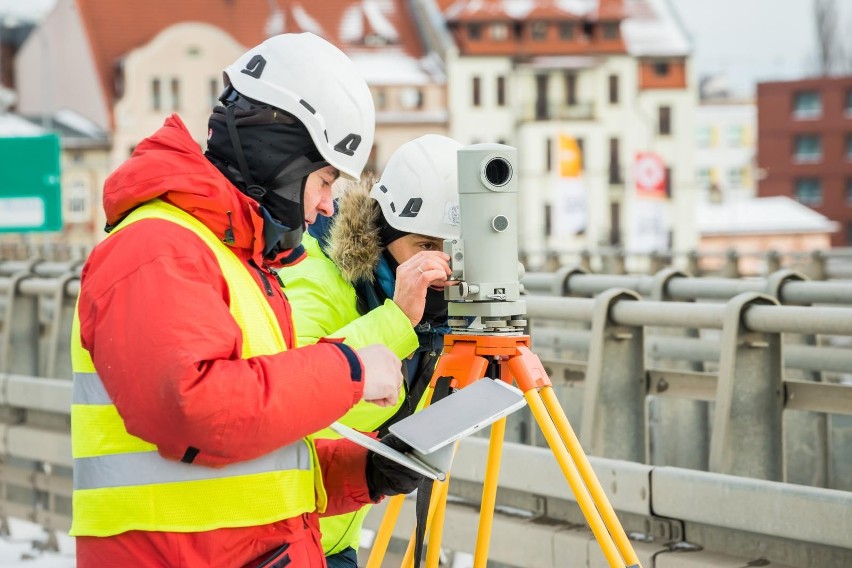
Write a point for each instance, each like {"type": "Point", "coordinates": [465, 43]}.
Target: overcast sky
{"type": "Point", "coordinates": [754, 40]}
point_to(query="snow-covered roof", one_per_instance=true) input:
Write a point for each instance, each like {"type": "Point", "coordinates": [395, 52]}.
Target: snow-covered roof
{"type": "Point", "coordinates": [653, 29]}
{"type": "Point", "coordinates": [761, 215]}
{"type": "Point", "coordinates": [395, 67]}
{"type": "Point", "coordinates": [12, 125]}
{"type": "Point", "coordinates": [25, 10]}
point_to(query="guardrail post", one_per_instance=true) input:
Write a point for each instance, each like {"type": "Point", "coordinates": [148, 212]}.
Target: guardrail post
{"type": "Point", "coordinates": [731, 267]}
{"type": "Point", "coordinates": [773, 262]}
{"type": "Point", "coordinates": [613, 423]}
{"type": "Point", "coordinates": [693, 263]}
{"type": "Point", "coordinates": [746, 438]}
{"type": "Point", "coordinates": [680, 437]}
{"type": "Point", "coordinates": [20, 335]}
{"type": "Point", "coordinates": [55, 359]}
{"type": "Point", "coordinates": [816, 266]}
{"type": "Point", "coordinates": [806, 455]}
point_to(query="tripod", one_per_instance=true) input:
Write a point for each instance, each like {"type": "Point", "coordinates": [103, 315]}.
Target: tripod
{"type": "Point", "coordinates": [465, 359]}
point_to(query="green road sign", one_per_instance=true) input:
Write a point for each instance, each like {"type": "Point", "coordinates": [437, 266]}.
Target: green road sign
{"type": "Point", "coordinates": [30, 195]}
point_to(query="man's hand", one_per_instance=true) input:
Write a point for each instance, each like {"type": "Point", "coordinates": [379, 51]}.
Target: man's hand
{"type": "Point", "coordinates": [382, 375]}
{"type": "Point", "coordinates": [413, 278]}
{"type": "Point", "coordinates": [387, 477]}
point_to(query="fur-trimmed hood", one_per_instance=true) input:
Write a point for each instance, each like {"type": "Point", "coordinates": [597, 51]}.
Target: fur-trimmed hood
{"type": "Point", "coordinates": [353, 240]}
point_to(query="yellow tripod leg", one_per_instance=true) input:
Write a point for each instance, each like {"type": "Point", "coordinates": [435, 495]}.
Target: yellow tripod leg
{"type": "Point", "coordinates": [383, 535]}
{"type": "Point", "coordinates": [584, 500]}
{"type": "Point", "coordinates": [438, 500]}
{"type": "Point", "coordinates": [591, 480]}
{"type": "Point", "coordinates": [489, 493]}
{"type": "Point", "coordinates": [436, 527]}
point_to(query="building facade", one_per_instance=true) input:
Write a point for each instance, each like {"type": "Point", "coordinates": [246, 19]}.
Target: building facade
{"type": "Point", "coordinates": [804, 146]}
{"type": "Point", "coordinates": [612, 74]}
{"type": "Point", "coordinates": [725, 139]}
{"type": "Point", "coordinates": [168, 58]}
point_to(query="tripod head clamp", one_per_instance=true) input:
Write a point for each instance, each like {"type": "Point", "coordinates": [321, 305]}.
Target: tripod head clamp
{"type": "Point", "coordinates": [484, 259]}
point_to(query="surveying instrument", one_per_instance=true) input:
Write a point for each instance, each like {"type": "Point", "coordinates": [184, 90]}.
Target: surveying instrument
{"type": "Point", "coordinates": [484, 260]}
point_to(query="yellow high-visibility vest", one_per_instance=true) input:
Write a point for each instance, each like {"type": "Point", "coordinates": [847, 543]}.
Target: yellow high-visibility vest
{"type": "Point", "coordinates": [121, 483]}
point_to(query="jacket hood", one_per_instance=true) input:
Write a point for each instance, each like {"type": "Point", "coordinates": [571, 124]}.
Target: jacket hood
{"type": "Point", "coordinates": [169, 165]}
{"type": "Point", "coordinates": [353, 240]}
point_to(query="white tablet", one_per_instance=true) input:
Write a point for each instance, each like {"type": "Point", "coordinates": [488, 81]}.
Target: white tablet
{"type": "Point", "coordinates": [458, 415]}
{"type": "Point", "coordinates": [431, 431]}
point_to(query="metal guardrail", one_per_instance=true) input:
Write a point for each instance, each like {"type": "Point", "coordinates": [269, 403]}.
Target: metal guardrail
{"type": "Point", "coordinates": [612, 360]}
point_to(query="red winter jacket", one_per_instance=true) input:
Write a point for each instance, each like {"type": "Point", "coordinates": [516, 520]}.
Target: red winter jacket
{"type": "Point", "coordinates": [154, 315]}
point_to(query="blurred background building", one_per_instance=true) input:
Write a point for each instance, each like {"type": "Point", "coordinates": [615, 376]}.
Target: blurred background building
{"type": "Point", "coordinates": [605, 92]}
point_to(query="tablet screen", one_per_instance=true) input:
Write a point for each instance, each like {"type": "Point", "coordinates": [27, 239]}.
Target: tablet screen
{"type": "Point", "coordinates": [458, 415]}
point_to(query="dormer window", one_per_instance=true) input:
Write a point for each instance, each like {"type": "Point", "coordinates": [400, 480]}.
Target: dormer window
{"type": "Point", "coordinates": [539, 31]}
{"type": "Point", "coordinates": [474, 31]}
{"type": "Point", "coordinates": [499, 31]}
{"type": "Point", "coordinates": [661, 68]}
{"type": "Point", "coordinates": [610, 30]}
{"type": "Point", "coordinates": [566, 30]}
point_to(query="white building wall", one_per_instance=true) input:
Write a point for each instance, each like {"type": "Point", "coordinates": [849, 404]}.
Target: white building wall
{"type": "Point", "coordinates": [725, 137]}
{"type": "Point", "coordinates": [593, 120]}
{"type": "Point", "coordinates": [193, 53]}
{"type": "Point", "coordinates": [677, 150]}
{"type": "Point", "coordinates": [45, 81]}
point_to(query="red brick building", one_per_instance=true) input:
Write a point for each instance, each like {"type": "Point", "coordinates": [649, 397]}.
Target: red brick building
{"type": "Point", "coordinates": [804, 146]}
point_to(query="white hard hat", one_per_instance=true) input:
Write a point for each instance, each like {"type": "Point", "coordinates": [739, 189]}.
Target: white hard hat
{"type": "Point", "coordinates": [418, 191]}
{"type": "Point", "coordinates": [313, 80]}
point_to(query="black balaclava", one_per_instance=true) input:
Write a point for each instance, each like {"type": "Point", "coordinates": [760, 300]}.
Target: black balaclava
{"type": "Point", "coordinates": [267, 154]}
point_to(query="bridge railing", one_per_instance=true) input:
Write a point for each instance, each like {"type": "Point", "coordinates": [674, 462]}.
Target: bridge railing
{"type": "Point", "coordinates": [666, 384]}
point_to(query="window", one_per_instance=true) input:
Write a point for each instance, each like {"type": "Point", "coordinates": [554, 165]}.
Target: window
{"type": "Point", "coordinates": [477, 95]}
{"type": "Point", "coordinates": [156, 96]}
{"type": "Point", "coordinates": [849, 146]}
{"type": "Point", "coordinates": [735, 178]}
{"type": "Point", "coordinates": [541, 103]}
{"type": "Point", "coordinates": [548, 222]}
{"type": "Point", "coordinates": [213, 91]}
{"type": "Point", "coordinates": [499, 31]}
{"type": "Point", "coordinates": [849, 102]}
{"type": "Point", "coordinates": [548, 155]}
{"type": "Point", "coordinates": [539, 31]}
{"type": "Point", "coordinates": [661, 68]}
{"type": "Point", "coordinates": [610, 30]}
{"type": "Point", "coordinates": [807, 104]}
{"type": "Point", "coordinates": [849, 191]}
{"type": "Point", "coordinates": [808, 148]}
{"type": "Point", "coordinates": [735, 136]}
{"type": "Point", "coordinates": [664, 121]}
{"type": "Point", "coordinates": [77, 206]}
{"type": "Point", "coordinates": [703, 136]}
{"type": "Point", "coordinates": [381, 99]}
{"type": "Point", "coordinates": [613, 89]}
{"type": "Point", "coordinates": [669, 181]}
{"type": "Point", "coordinates": [614, 162]}
{"type": "Point", "coordinates": [411, 98]}
{"type": "Point", "coordinates": [474, 31]}
{"type": "Point", "coordinates": [849, 234]}
{"type": "Point", "coordinates": [581, 145]}
{"type": "Point", "coordinates": [501, 91]}
{"type": "Point", "coordinates": [809, 191]}
{"type": "Point", "coordinates": [566, 30]}
{"type": "Point", "coordinates": [571, 89]}
{"type": "Point", "coordinates": [175, 93]}
{"type": "Point", "coordinates": [702, 178]}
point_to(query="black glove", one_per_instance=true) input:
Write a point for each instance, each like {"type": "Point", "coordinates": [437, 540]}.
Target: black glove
{"type": "Point", "coordinates": [387, 477]}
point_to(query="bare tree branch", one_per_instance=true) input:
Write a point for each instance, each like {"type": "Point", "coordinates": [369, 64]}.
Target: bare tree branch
{"type": "Point", "coordinates": [825, 16]}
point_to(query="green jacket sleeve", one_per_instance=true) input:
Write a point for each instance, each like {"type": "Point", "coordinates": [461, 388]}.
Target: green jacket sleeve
{"type": "Point", "coordinates": [324, 305]}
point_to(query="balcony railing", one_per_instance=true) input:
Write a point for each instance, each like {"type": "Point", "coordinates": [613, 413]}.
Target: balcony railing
{"type": "Point", "coordinates": [534, 111]}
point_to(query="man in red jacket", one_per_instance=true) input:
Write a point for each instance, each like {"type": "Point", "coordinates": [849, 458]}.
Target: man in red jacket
{"type": "Point", "coordinates": [192, 408]}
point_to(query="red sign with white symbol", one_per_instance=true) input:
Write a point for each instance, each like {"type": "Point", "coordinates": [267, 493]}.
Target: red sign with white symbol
{"type": "Point", "coordinates": [650, 176]}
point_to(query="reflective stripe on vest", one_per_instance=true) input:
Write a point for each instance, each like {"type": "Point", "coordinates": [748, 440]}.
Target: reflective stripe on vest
{"type": "Point", "coordinates": [121, 483]}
